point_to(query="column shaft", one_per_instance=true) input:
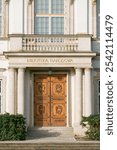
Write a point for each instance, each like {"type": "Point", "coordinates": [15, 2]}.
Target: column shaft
{"type": "Point", "coordinates": [78, 97]}
{"type": "Point", "coordinates": [87, 105]}
{"type": "Point", "coordinates": [10, 104]}
{"type": "Point", "coordinates": [21, 91]}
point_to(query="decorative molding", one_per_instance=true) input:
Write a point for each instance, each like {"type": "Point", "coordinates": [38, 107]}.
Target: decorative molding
{"type": "Point", "coordinates": [6, 1]}
{"type": "Point", "coordinates": [94, 1]}
{"type": "Point", "coordinates": [71, 2]}
{"type": "Point", "coordinates": [30, 2]}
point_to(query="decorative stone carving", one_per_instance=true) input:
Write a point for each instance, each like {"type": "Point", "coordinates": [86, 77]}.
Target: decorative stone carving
{"type": "Point", "coordinates": [30, 2]}
{"type": "Point", "coordinates": [50, 43]}
{"type": "Point", "coordinates": [94, 1]}
{"type": "Point", "coordinates": [71, 1]}
{"type": "Point", "coordinates": [6, 1]}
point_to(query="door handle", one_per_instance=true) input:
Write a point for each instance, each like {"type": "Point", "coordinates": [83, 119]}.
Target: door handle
{"type": "Point", "coordinates": [51, 98]}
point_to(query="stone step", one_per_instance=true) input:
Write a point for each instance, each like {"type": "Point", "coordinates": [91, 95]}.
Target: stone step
{"type": "Point", "coordinates": [49, 146]}
{"type": "Point", "coordinates": [52, 128]}
{"type": "Point", "coordinates": [50, 132]}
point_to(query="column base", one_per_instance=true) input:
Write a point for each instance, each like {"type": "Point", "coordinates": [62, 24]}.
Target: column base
{"type": "Point", "coordinates": [79, 131]}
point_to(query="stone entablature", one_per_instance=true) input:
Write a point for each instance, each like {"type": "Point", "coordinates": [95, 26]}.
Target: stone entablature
{"type": "Point", "coordinates": [81, 60]}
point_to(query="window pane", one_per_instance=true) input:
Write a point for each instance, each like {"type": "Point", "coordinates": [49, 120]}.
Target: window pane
{"type": "Point", "coordinates": [57, 6]}
{"type": "Point", "coordinates": [41, 25]}
{"type": "Point", "coordinates": [57, 25]}
{"type": "Point", "coordinates": [41, 6]}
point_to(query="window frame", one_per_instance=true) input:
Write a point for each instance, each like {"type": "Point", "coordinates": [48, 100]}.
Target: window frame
{"type": "Point", "coordinates": [50, 15]}
{"type": "Point", "coordinates": [97, 95]}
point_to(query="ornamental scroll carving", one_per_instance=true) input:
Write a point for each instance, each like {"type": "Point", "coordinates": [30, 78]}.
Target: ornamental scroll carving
{"type": "Point", "coordinates": [58, 88]}
{"type": "Point", "coordinates": [41, 88]}
{"type": "Point", "coordinates": [41, 110]}
{"type": "Point", "coordinates": [59, 109]}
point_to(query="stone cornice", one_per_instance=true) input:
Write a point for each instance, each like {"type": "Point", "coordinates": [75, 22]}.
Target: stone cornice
{"type": "Point", "coordinates": [20, 54]}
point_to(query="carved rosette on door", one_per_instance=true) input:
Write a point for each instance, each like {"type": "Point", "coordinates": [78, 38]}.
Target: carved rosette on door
{"type": "Point", "coordinates": [49, 100]}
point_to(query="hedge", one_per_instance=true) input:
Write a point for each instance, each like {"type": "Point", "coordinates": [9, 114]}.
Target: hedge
{"type": "Point", "coordinates": [92, 123]}
{"type": "Point", "coordinates": [12, 127]}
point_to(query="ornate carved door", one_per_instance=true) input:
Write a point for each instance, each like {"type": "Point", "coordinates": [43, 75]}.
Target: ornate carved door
{"type": "Point", "coordinates": [49, 100]}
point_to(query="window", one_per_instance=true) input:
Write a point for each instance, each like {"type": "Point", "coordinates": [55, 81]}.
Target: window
{"type": "Point", "coordinates": [0, 17]}
{"type": "Point", "coordinates": [97, 96]}
{"type": "Point", "coordinates": [0, 96]}
{"type": "Point", "coordinates": [98, 18]}
{"type": "Point", "coordinates": [49, 17]}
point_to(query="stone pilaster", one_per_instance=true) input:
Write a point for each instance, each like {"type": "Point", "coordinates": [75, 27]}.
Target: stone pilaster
{"type": "Point", "coordinates": [10, 103]}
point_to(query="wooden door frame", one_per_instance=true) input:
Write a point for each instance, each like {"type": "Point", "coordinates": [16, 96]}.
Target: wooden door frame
{"type": "Point", "coordinates": [67, 98]}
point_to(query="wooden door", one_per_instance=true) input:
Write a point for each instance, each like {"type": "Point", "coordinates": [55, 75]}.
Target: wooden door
{"type": "Point", "coordinates": [49, 100]}
{"type": "Point", "coordinates": [41, 100]}
{"type": "Point", "coordinates": [58, 100]}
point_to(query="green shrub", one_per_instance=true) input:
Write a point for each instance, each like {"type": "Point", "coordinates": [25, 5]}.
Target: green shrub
{"type": "Point", "coordinates": [92, 123]}
{"type": "Point", "coordinates": [12, 127]}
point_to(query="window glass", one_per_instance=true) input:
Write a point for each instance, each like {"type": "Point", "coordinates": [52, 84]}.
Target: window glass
{"type": "Point", "coordinates": [49, 17]}
{"type": "Point", "coordinates": [42, 25]}
{"type": "Point", "coordinates": [41, 6]}
{"type": "Point", "coordinates": [57, 25]}
{"type": "Point", "coordinates": [57, 6]}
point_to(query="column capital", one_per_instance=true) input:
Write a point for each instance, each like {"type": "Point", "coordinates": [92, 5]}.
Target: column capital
{"type": "Point", "coordinates": [21, 68]}
{"type": "Point", "coordinates": [88, 68]}
{"type": "Point", "coordinates": [11, 69]}
{"type": "Point", "coordinates": [30, 2]}
{"type": "Point", "coordinates": [76, 67]}
{"type": "Point", "coordinates": [94, 2]}
{"type": "Point", "coordinates": [6, 1]}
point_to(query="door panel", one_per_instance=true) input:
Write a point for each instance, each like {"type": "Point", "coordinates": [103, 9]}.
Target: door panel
{"type": "Point", "coordinates": [49, 100]}
{"type": "Point", "coordinates": [41, 100]}
{"type": "Point", "coordinates": [58, 102]}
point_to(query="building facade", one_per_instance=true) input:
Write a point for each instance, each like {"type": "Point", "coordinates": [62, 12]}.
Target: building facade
{"type": "Point", "coordinates": [49, 60]}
